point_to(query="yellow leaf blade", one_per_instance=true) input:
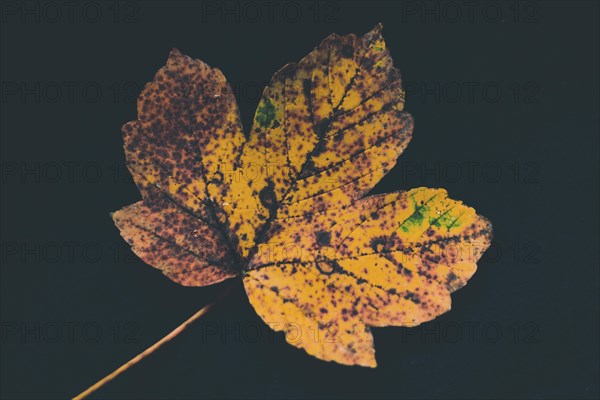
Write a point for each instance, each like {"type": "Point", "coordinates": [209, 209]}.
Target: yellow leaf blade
{"type": "Point", "coordinates": [386, 260]}
{"type": "Point", "coordinates": [186, 138]}
{"type": "Point", "coordinates": [285, 208]}
{"type": "Point", "coordinates": [308, 314]}
{"type": "Point", "coordinates": [326, 130]}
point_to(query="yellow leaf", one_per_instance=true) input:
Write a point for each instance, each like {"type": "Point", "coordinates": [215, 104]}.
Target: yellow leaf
{"type": "Point", "coordinates": [284, 208]}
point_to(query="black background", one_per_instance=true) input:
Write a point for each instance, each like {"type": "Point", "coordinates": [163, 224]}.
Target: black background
{"type": "Point", "coordinates": [537, 286]}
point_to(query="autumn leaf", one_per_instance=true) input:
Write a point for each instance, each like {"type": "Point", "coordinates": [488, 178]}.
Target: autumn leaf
{"type": "Point", "coordinates": [284, 207]}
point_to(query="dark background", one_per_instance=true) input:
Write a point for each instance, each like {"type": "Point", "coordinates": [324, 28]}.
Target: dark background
{"type": "Point", "coordinates": [521, 147]}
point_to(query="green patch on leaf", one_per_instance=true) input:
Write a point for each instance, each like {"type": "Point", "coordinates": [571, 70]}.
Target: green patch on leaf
{"type": "Point", "coordinates": [416, 219]}
{"type": "Point", "coordinates": [265, 114]}
{"type": "Point", "coordinates": [446, 219]}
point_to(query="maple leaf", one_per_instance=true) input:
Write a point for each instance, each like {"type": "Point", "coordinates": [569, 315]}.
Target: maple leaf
{"type": "Point", "coordinates": [284, 208]}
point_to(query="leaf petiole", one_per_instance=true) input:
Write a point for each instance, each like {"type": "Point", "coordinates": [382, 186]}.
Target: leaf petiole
{"type": "Point", "coordinates": [152, 348]}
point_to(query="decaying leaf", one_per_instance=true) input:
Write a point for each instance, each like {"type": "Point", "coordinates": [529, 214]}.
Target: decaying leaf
{"type": "Point", "coordinates": [284, 207]}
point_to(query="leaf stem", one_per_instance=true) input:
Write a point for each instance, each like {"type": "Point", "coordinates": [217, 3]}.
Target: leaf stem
{"type": "Point", "coordinates": [152, 348]}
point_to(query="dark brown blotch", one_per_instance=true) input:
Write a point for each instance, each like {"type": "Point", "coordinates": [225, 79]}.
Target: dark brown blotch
{"type": "Point", "coordinates": [323, 238]}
